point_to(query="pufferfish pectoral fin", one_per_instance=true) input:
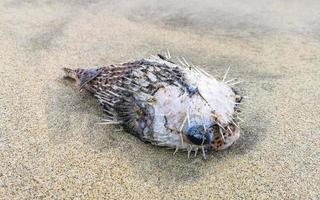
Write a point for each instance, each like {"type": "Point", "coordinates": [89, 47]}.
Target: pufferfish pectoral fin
{"type": "Point", "coordinates": [135, 115]}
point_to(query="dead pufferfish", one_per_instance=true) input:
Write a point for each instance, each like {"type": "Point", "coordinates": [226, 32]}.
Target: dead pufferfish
{"type": "Point", "coordinates": [173, 105]}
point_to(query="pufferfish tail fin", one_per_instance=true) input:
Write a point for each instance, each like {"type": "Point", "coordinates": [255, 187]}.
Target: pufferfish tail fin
{"type": "Point", "coordinates": [82, 76]}
{"type": "Point", "coordinates": [69, 73]}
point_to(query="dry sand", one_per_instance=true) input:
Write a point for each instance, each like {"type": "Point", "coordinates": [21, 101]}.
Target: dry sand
{"type": "Point", "coordinates": [50, 146]}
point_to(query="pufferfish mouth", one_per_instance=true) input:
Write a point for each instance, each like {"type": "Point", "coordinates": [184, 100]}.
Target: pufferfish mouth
{"type": "Point", "coordinates": [224, 138]}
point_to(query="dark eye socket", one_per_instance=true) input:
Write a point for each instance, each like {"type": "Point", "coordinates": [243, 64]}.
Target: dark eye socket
{"type": "Point", "coordinates": [197, 135]}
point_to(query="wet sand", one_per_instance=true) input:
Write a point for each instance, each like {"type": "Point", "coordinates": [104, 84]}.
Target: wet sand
{"type": "Point", "coordinates": [51, 147]}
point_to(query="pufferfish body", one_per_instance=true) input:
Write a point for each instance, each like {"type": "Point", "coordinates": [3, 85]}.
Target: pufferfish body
{"type": "Point", "coordinates": [178, 106]}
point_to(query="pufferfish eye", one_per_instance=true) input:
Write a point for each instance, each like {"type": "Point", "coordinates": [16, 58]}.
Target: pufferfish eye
{"type": "Point", "coordinates": [198, 135]}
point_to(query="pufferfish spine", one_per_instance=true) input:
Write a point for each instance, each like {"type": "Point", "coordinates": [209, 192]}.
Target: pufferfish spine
{"type": "Point", "coordinates": [166, 104]}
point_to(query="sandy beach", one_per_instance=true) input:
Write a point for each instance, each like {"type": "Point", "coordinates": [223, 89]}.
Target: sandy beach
{"type": "Point", "coordinates": [52, 148]}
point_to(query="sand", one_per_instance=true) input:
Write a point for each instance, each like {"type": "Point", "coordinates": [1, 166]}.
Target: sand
{"type": "Point", "coordinates": [52, 148]}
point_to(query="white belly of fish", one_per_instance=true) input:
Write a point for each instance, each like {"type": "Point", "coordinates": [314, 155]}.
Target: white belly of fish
{"type": "Point", "coordinates": [217, 94]}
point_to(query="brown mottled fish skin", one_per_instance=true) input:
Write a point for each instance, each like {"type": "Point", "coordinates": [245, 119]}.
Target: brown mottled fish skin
{"type": "Point", "coordinates": [122, 82]}
{"type": "Point", "coordinates": [127, 94]}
